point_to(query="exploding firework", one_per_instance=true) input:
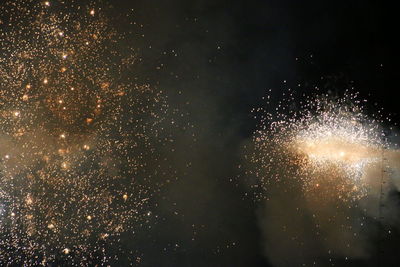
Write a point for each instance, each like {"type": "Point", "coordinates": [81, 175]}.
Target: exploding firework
{"type": "Point", "coordinates": [77, 137]}
{"type": "Point", "coordinates": [318, 169]}
{"type": "Point", "coordinates": [327, 145]}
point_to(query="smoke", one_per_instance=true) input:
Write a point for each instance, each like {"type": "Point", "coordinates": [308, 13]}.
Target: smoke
{"type": "Point", "coordinates": [322, 229]}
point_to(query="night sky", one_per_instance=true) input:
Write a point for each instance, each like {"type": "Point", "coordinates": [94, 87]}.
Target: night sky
{"type": "Point", "coordinates": [229, 54]}
{"type": "Point", "coordinates": [216, 60]}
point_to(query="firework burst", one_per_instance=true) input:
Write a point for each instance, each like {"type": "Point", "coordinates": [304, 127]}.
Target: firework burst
{"type": "Point", "coordinates": [326, 146]}
{"type": "Point", "coordinates": [318, 168]}
{"type": "Point", "coordinates": [77, 137]}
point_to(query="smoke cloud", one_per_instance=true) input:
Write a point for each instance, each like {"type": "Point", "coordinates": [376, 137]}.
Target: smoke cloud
{"type": "Point", "coordinates": [306, 229]}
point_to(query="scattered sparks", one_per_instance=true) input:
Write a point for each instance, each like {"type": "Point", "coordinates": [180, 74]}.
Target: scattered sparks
{"type": "Point", "coordinates": [76, 144]}
{"type": "Point", "coordinates": [326, 145]}
{"type": "Point", "coordinates": [318, 166]}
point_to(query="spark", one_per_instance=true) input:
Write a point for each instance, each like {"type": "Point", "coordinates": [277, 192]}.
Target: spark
{"type": "Point", "coordinates": [342, 143]}
{"type": "Point", "coordinates": [81, 144]}
{"type": "Point", "coordinates": [316, 165]}
{"type": "Point", "coordinates": [328, 144]}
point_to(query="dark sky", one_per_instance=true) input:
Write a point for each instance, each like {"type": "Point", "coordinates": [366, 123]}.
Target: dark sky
{"type": "Point", "coordinates": [224, 56]}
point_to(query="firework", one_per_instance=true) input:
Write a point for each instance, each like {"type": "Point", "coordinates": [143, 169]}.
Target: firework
{"type": "Point", "coordinates": [327, 145]}
{"type": "Point", "coordinates": [76, 135]}
{"type": "Point", "coordinates": [318, 167]}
